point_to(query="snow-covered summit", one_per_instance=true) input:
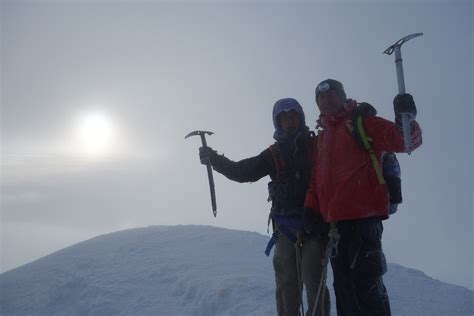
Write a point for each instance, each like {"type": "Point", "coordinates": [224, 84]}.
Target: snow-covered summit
{"type": "Point", "coordinates": [185, 270]}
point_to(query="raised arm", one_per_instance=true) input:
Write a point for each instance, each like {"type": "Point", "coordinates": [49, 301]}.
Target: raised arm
{"type": "Point", "coordinates": [246, 170]}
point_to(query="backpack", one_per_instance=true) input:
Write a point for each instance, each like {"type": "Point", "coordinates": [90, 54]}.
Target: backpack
{"type": "Point", "coordinates": [389, 173]}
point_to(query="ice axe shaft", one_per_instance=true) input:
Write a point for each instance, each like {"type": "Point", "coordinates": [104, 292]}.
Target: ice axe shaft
{"type": "Point", "coordinates": [209, 169]}
{"type": "Point", "coordinates": [399, 65]}
{"type": "Point", "coordinates": [407, 118]}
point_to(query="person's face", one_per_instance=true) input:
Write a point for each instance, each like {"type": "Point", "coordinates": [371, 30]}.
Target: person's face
{"type": "Point", "coordinates": [329, 103]}
{"type": "Point", "coordinates": [289, 121]}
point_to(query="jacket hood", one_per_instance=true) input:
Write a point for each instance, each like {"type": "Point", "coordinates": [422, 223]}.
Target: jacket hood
{"type": "Point", "coordinates": [286, 105]}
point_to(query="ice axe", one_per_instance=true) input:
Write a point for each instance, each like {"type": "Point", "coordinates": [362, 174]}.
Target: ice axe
{"type": "Point", "coordinates": [407, 118]}
{"type": "Point", "coordinates": [209, 169]}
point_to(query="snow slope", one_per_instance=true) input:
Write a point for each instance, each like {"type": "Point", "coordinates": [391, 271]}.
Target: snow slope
{"type": "Point", "coordinates": [185, 270]}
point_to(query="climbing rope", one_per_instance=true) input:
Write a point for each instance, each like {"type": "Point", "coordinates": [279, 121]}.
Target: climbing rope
{"type": "Point", "coordinates": [298, 246]}
{"type": "Point", "coordinates": [331, 252]}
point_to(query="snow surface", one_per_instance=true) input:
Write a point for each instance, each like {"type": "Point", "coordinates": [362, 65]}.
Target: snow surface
{"type": "Point", "coordinates": [185, 270]}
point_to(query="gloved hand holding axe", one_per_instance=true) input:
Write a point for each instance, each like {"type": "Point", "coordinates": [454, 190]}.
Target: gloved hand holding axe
{"type": "Point", "coordinates": [208, 165]}
{"type": "Point", "coordinates": [404, 106]}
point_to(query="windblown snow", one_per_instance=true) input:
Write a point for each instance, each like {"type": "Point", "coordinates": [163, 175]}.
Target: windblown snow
{"type": "Point", "coordinates": [185, 270]}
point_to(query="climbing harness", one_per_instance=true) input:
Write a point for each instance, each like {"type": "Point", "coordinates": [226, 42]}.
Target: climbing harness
{"type": "Point", "coordinates": [280, 229]}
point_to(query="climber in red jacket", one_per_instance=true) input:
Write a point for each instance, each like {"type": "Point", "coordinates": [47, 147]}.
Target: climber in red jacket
{"type": "Point", "coordinates": [344, 190]}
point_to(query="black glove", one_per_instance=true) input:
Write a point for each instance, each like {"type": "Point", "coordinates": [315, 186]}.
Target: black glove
{"type": "Point", "coordinates": [313, 224]}
{"type": "Point", "coordinates": [403, 103]}
{"type": "Point", "coordinates": [206, 154]}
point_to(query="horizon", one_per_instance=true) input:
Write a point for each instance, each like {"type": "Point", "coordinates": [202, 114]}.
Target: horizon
{"type": "Point", "coordinates": [199, 226]}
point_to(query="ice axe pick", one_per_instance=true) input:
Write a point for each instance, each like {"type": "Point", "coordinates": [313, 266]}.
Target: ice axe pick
{"type": "Point", "coordinates": [209, 168]}
{"type": "Point", "coordinates": [407, 118]}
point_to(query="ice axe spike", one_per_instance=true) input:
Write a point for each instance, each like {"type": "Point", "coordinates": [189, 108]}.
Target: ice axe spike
{"type": "Point", "coordinates": [407, 118]}
{"type": "Point", "coordinates": [209, 169]}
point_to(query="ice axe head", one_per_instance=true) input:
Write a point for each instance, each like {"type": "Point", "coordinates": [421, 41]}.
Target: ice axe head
{"type": "Point", "coordinates": [400, 42]}
{"type": "Point", "coordinates": [398, 59]}
{"type": "Point", "coordinates": [202, 134]}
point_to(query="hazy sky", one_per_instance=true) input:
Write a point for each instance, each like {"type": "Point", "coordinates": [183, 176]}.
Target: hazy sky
{"type": "Point", "coordinates": [150, 72]}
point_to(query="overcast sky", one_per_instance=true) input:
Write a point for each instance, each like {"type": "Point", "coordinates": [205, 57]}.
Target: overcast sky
{"type": "Point", "coordinates": [153, 71]}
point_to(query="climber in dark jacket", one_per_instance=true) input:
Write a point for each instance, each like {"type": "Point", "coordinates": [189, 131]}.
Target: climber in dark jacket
{"type": "Point", "coordinates": [299, 248]}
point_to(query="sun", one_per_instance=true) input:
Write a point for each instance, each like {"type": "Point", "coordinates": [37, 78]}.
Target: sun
{"type": "Point", "coordinates": [95, 133]}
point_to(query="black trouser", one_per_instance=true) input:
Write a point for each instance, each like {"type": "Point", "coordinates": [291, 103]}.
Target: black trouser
{"type": "Point", "coordinates": [358, 269]}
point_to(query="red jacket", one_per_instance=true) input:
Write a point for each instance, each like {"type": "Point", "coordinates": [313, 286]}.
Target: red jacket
{"type": "Point", "coordinates": [343, 183]}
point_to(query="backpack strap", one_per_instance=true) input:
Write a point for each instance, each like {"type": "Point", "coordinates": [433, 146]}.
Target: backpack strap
{"type": "Point", "coordinates": [365, 141]}
{"type": "Point", "coordinates": [277, 161]}
{"type": "Point", "coordinates": [276, 157]}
